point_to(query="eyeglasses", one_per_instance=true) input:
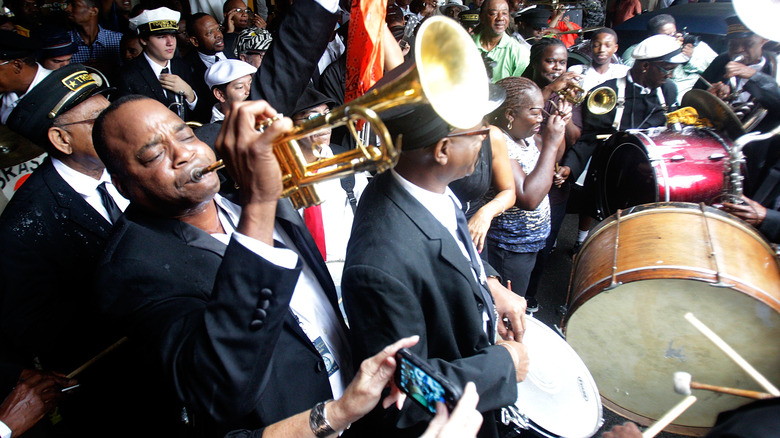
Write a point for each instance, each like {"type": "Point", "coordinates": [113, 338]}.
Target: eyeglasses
{"type": "Point", "coordinates": [243, 11]}
{"type": "Point", "coordinates": [60, 125]}
{"type": "Point", "coordinates": [663, 70]}
{"type": "Point", "coordinates": [6, 62]}
{"type": "Point", "coordinates": [311, 116]}
{"type": "Point", "coordinates": [480, 131]}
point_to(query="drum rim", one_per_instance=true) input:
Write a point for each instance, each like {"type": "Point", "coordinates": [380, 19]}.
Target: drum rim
{"type": "Point", "coordinates": [591, 382]}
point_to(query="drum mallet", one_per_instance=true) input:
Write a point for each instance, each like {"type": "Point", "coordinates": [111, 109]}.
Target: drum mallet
{"type": "Point", "coordinates": [733, 355]}
{"type": "Point", "coordinates": [100, 355]}
{"type": "Point", "coordinates": [683, 384]}
{"type": "Point", "coordinates": [668, 417]}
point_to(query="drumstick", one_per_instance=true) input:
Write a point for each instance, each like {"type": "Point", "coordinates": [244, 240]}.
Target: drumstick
{"type": "Point", "coordinates": [669, 417]}
{"type": "Point", "coordinates": [733, 355]}
{"type": "Point", "coordinates": [684, 383]}
{"type": "Point", "coordinates": [100, 355]}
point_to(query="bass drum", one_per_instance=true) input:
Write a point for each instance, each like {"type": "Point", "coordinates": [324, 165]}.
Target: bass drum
{"type": "Point", "coordinates": [634, 279]}
{"type": "Point", "coordinates": [643, 166]}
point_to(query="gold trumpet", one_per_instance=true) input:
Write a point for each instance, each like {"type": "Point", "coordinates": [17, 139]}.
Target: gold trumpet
{"type": "Point", "coordinates": [601, 100]}
{"type": "Point", "coordinates": [572, 93]}
{"type": "Point", "coordinates": [448, 74]}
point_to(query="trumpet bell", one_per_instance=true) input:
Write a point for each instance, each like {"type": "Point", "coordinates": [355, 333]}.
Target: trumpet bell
{"type": "Point", "coordinates": [602, 100]}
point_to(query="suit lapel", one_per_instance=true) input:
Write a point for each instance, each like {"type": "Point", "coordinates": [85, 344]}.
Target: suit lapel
{"type": "Point", "coordinates": [152, 81]}
{"type": "Point", "coordinates": [432, 228]}
{"type": "Point", "coordinates": [72, 205]}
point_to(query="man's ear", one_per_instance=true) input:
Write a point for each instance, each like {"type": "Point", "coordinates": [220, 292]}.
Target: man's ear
{"type": "Point", "coordinates": [218, 94]}
{"type": "Point", "coordinates": [61, 139]}
{"type": "Point", "coordinates": [441, 152]}
{"type": "Point", "coordinates": [194, 41]}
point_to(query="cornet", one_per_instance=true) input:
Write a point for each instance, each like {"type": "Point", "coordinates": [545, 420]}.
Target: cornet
{"type": "Point", "coordinates": [601, 100]}
{"type": "Point", "coordinates": [448, 75]}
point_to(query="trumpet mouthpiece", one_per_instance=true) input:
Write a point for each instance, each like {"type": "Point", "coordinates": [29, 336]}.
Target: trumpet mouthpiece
{"type": "Point", "coordinates": [196, 174]}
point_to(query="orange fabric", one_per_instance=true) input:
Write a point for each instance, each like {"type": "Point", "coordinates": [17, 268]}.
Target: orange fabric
{"type": "Point", "coordinates": [365, 59]}
{"type": "Point", "coordinates": [565, 26]}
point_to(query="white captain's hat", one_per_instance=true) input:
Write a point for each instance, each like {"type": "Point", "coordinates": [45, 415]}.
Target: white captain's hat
{"type": "Point", "coordinates": [660, 48]}
{"type": "Point", "coordinates": [156, 21]}
{"type": "Point", "coordinates": [224, 72]}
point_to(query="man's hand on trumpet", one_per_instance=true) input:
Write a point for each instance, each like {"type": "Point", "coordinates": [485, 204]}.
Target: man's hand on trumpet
{"type": "Point", "coordinates": [250, 160]}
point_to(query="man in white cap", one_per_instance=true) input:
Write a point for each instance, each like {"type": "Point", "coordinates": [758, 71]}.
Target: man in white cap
{"type": "Point", "coordinates": [229, 81]}
{"type": "Point", "coordinates": [158, 74]}
{"type": "Point", "coordinates": [644, 96]}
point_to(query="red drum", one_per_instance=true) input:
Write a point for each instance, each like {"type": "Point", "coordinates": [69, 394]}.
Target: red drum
{"type": "Point", "coordinates": [657, 165]}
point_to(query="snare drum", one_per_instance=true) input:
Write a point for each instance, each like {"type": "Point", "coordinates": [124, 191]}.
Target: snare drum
{"type": "Point", "coordinates": [644, 166]}
{"type": "Point", "coordinates": [634, 279]}
{"type": "Point", "coordinates": [558, 397]}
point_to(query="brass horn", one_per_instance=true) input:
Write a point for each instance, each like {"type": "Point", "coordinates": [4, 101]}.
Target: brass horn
{"type": "Point", "coordinates": [448, 74]}
{"type": "Point", "coordinates": [601, 100]}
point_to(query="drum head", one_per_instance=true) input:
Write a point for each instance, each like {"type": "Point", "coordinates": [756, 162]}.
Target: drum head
{"type": "Point", "coordinates": [626, 176]}
{"type": "Point", "coordinates": [634, 337]}
{"type": "Point", "coordinates": [558, 395]}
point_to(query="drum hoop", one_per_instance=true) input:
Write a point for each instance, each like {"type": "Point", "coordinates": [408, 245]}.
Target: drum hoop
{"type": "Point", "coordinates": [652, 156]}
{"type": "Point", "coordinates": [674, 272]}
{"type": "Point", "coordinates": [681, 207]}
{"type": "Point", "coordinates": [625, 140]}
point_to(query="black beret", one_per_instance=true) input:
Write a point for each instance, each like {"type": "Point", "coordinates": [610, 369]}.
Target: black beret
{"type": "Point", "coordinates": [56, 94]}
{"type": "Point", "coordinates": [419, 126]}
{"type": "Point", "coordinates": [310, 99]}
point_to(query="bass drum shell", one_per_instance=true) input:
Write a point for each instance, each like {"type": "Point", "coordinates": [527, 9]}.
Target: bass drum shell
{"type": "Point", "coordinates": [643, 166]}
{"type": "Point", "coordinates": [633, 336]}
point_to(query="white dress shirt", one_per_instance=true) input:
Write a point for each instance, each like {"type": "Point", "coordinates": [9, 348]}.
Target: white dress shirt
{"type": "Point", "coordinates": [208, 60]}
{"type": "Point", "coordinates": [86, 186]}
{"type": "Point", "coordinates": [591, 78]}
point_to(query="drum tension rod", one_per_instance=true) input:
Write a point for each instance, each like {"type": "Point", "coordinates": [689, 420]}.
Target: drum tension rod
{"type": "Point", "coordinates": [719, 282]}
{"type": "Point", "coordinates": [614, 283]}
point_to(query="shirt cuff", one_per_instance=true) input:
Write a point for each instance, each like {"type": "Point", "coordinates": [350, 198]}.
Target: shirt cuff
{"type": "Point", "coordinates": [192, 104]}
{"type": "Point", "coordinates": [331, 6]}
{"type": "Point", "coordinates": [282, 257]}
{"type": "Point", "coordinates": [5, 432]}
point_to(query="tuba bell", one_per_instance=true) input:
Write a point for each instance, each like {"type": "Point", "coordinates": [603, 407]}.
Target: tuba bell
{"type": "Point", "coordinates": [447, 74]}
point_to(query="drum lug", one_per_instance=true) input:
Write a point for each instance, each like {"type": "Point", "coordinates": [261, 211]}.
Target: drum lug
{"type": "Point", "coordinates": [511, 415]}
{"type": "Point", "coordinates": [717, 156]}
{"type": "Point", "coordinates": [677, 158]}
{"type": "Point", "coordinates": [720, 283]}
{"type": "Point", "coordinates": [612, 286]}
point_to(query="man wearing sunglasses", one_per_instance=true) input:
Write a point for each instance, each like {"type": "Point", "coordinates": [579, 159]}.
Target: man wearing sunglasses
{"type": "Point", "coordinates": [644, 97]}
{"type": "Point", "coordinates": [412, 267]}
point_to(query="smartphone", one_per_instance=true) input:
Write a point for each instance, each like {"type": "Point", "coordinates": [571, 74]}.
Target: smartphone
{"type": "Point", "coordinates": [423, 384]}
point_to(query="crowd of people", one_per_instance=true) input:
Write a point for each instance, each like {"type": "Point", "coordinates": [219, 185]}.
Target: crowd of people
{"type": "Point", "coordinates": [218, 308]}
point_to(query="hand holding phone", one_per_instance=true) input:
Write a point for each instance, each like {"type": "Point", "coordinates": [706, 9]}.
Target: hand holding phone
{"type": "Point", "coordinates": [423, 384]}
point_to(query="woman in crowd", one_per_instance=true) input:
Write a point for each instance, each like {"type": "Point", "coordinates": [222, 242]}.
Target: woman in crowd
{"type": "Point", "coordinates": [519, 233]}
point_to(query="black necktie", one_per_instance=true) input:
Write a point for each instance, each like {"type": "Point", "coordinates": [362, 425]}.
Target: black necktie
{"type": "Point", "coordinates": [165, 71]}
{"type": "Point", "coordinates": [216, 59]}
{"type": "Point", "coordinates": [113, 210]}
{"type": "Point", "coordinates": [487, 298]}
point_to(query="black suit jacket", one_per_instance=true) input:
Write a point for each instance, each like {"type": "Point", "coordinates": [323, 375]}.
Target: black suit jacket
{"type": "Point", "coordinates": [206, 99]}
{"type": "Point", "coordinates": [217, 317]}
{"type": "Point", "coordinates": [52, 240]}
{"type": "Point", "coordinates": [290, 61]}
{"type": "Point", "coordinates": [405, 275]}
{"type": "Point", "coordinates": [137, 77]}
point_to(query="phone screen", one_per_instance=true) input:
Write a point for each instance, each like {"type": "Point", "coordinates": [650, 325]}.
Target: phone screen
{"type": "Point", "coordinates": [420, 386]}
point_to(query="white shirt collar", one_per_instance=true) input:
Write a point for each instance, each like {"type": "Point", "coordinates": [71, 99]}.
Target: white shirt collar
{"type": "Point", "coordinates": [440, 205]}
{"type": "Point", "coordinates": [642, 89]}
{"type": "Point", "coordinates": [157, 68]}
{"type": "Point", "coordinates": [216, 114]}
{"type": "Point", "coordinates": [208, 60]}
{"type": "Point", "coordinates": [86, 186]}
